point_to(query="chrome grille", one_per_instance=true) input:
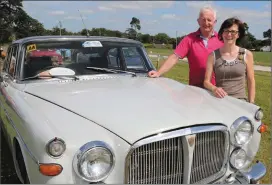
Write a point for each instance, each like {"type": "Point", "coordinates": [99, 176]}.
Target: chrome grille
{"type": "Point", "coordinates": [175, 157]}
{"type": "Point", "coordinates": [208, 157]}
{"type": "Point", "coordinates": [157, 163]}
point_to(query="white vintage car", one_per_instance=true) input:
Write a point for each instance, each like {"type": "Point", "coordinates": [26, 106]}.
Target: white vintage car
{"type": "Point", "coordinates": [81, 110]}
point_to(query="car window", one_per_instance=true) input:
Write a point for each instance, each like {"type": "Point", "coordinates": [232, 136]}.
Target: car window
{"type": "Point", "coordinates": [114, 59]}
{"type": "Point", "coordinates": [13, 60]}
{"type": "Point", "coordinates": [133, 58]}
{"type": "Point", "coordinates": [10, 63]}
{"type": "Point", "coordinates": [7, 60]}
{"type": "Point", "coordinates": [80, 55]}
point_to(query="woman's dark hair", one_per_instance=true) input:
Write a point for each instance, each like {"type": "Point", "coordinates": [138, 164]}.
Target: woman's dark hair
{"type": "Point", "coordinates": [229, 23]}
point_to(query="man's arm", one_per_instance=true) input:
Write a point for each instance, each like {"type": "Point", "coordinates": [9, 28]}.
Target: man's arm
{"type": "Point", "coordinates": [180, 52]}
{"type": "Point", "coordinates": [167, 65]}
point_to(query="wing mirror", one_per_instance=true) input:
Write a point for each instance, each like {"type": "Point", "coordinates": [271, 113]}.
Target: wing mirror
{"type": "Point", "coordinates": [61, 71]}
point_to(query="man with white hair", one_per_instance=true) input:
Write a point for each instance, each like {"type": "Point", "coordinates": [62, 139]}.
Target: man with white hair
{"type": "Point", "coordinates": [196, 46]}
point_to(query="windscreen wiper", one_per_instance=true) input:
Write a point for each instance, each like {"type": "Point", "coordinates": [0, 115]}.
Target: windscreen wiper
{"type": "Point", "coordinates": [112, 70]}
{"type": "Point", "coordinates": [51, 76]}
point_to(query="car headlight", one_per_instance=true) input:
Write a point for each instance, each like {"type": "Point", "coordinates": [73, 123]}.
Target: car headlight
{"type": "Point", "coordinates": [94, 161]}
{"type": "Point", "coordinates": [55, 147]}
{"type": "Point", "coordinates": [259, 115]}
{"type": "Point", "coordinates": [238, 159]}
{"type": "Point", "coordinates": [241, 131]}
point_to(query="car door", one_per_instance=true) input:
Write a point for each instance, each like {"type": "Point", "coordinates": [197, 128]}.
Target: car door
{"type": "Point", "coordinates": [8, 113]}
{"type": "Point", "coordinates": [3, 83]}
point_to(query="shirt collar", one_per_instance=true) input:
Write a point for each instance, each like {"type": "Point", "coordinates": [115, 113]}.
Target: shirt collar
{"type": "Point", "coordinates": [198, 34]}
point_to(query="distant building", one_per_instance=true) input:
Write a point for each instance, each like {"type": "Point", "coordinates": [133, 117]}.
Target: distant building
{"type": "Point", "coordinates": [265, 48]}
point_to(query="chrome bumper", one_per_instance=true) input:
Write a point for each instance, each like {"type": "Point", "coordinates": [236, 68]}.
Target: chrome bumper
{"type": "Point", "coordinates": [250, 176]}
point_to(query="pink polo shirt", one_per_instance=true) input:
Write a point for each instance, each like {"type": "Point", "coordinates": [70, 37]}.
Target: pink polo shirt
{"type": "Point", "coordinates": [197, 49]}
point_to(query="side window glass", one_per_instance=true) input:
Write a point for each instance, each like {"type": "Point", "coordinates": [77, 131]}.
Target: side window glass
{"type": "Point", "coordinates": [113, 59]}
{"type": "Point", "coordinates": [133, 58]}
{"type": "Point", "coordinates": [13, 61]}
{"type": "Point", "coordinates": [7, 60]}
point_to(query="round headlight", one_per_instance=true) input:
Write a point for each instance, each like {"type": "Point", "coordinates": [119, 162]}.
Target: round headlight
{"type": "Point", "coordinates": [238, 159]}
{"type": "Point", "coordinates": [55, 147]}
{"type": "Point", "coordinates": [241, 131]}
{"type": "Point", "coordinates": [259, 115]}
{"type": "Point", "coordinates": [94, 161]}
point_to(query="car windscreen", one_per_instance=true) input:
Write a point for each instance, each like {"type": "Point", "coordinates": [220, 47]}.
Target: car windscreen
{"type": "Point", "coordinates": [79, 55]}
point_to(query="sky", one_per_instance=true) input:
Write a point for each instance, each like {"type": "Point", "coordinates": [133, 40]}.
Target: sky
{"type": "Point", "coordinates": [170, 17]}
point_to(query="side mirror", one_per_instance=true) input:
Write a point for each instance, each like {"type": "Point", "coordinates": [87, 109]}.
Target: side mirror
{"type": "Point", "coordinates": [59, 71]}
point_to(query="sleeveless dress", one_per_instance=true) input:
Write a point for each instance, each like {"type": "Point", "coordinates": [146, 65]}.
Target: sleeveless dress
{"type": "Point", "coordinates": [230, 75]}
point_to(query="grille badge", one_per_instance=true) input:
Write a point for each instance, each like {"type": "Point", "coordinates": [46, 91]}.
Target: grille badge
{"type": "Point", "coordinates": [191, 140]}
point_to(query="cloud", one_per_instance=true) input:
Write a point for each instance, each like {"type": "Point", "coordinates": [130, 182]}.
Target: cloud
{"type": "Point", "coordinates": [74, 17]}
{"type": "Point", "coordinates": [225, 12]}
{"type": "Point", "coordinates": [170, 16]}
{"type": "Point", "coordinates": [244, 14]}
{"type": "Point", "coordinates": [252, 17]}
{"type": "Point", "coordinates": [150, 22]}
{"type": "Point", "coordinates": [136, 5]}
{"type": "Point", "coordinates": [103, 8]}
{"type": "Point", "coordinates": [57, 12]}
{"type": "Point", "coordinates": [199, 4]}
{"type": "Point", "coordinates": [155, 16]}
{"type": "Point", "coordinates": [268, 5]}
{"type": "Point", "coordinates": [86, 11]}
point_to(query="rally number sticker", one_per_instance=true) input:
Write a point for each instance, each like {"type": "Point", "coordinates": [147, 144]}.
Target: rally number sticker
{"type": "Point", "coordinates": [31, 47]}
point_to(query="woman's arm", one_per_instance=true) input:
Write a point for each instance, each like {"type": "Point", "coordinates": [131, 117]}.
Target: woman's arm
{"type": "Point", "coordinates": [250, 76]}
{"type": "Point", "coordinates": [217, 91]}
{"type": "Point", "coordinates": [208, 75]}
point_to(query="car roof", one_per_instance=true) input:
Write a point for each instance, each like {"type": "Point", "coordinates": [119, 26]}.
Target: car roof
{"type": "Point", "coordinates": [71, 38]}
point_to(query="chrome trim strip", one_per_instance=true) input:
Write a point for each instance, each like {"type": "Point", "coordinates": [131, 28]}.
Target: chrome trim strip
{"type": "Point", "coordinates": [20, 137]}
{"type": "Point", "coordinates": [188, 147]}
{"type": "Point", "coordinates": [179, 133]}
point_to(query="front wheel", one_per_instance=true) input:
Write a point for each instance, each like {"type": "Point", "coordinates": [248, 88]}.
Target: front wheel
{"type": "Point", "coordinates": [21, 165]}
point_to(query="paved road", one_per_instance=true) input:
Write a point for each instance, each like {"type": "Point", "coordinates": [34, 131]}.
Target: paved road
{"type": "Point", "coordinates": [256, 67]}
{"type": "Point", "coordinates": [262, 68]}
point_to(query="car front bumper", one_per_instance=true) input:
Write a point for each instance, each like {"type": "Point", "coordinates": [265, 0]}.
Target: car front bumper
{"type": "Point", "coordinates": [250, 176]}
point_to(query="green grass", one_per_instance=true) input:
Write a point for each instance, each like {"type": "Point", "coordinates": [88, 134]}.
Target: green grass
{"type": "Point", "coordinates": [160, 51]}
{"type": "Point", "coordinates": [263, 89]}
{"type": "Point", "coordinates": [260, 58]}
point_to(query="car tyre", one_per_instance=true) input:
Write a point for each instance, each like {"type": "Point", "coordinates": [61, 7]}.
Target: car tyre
{"type": "Point", "coordinates": [21, 165]}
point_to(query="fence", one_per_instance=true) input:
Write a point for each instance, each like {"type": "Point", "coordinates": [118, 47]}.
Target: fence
{"type": "Point", "coordinates": [159, 57]}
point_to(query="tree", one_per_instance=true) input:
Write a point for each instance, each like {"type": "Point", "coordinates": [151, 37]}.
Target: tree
{"type": "Point", "coordinates": [146, 38]}
{"type": "Point", "coordinates": [162, 38]}
{"type": "Point", "coordinates": [26, 26]}
{"type": "Point", "coordinates": [131, 33]}
{"type": "Point", "coordinates": [249, 41]}
{"type": "Point", "coordinates": [135, 26]}
{"type": "Point", "coordinates": [8, 11]}
{"type": "Point", "coordinates": [84, 32]}
{"type": "Point", "coordinates": [267, 34]}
